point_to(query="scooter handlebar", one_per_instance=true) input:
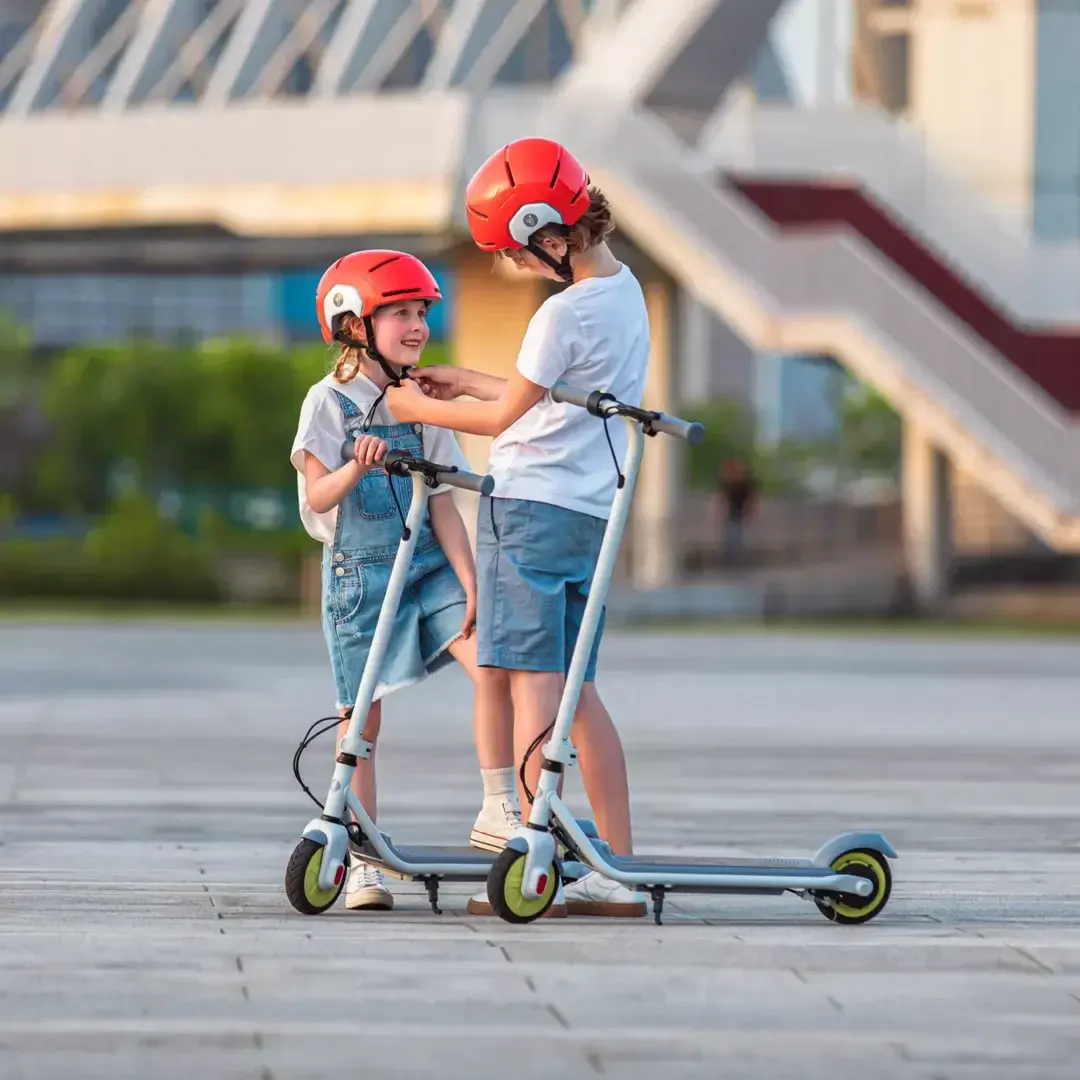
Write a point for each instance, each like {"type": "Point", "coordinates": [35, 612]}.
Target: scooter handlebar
{"type": "Point", "coordinates": [600, 403]}
{"type": "Point", "coordinates": [397, 461]}
{"type": "Point", "coordinates": [467, 481]}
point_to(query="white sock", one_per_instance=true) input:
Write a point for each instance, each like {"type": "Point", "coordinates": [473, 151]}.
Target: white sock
{"type": "Point", "coordinates": [499, 786]}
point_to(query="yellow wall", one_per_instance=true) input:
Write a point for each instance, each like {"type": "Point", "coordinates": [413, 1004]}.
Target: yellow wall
{"type": "Point", "coordinates": [654, 548]}
{"type": "Point", "coordinates": [973, 92]}
{"type": "Point", "coordinates": [491, 311]}
{"type": "Point", "coordinates": [492, 308]}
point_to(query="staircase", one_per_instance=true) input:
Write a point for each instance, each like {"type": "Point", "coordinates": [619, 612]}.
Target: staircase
{"type": "Point", "coordinates": [838, 292]}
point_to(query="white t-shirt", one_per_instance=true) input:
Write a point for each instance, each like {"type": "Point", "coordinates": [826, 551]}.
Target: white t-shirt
{"type": "Point", "coordinates": [593, 335]}
{"type": "Point", "coordinates": [321, 431]}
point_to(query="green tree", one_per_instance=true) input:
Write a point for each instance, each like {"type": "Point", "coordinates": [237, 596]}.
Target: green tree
{"type": "Point", "coordinates": [871, 432]}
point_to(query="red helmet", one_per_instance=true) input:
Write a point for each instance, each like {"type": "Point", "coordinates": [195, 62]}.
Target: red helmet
{"type": "Point", "coordinates": [521, 188]}
{"type": "Point", "coordinates": [365, 280]}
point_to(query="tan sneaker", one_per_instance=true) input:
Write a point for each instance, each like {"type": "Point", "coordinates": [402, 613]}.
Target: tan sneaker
{"type": "Point", "coordinates": [597, 895]}
{"type": "Point", "coordinates": [481, 905]}
{"type": "Point", "coordinates": [365, 889]}
{"type": "Point", "coordinates": [494, 825]}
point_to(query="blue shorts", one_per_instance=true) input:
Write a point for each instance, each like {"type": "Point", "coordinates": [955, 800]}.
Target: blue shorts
{"type": "Point", "coordinates": [534, 566]}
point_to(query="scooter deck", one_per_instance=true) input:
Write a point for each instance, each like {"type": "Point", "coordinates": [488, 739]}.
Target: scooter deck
{"type": "Point", "coordinates": [425, 853]}
{"type": "Point", "coordinates": [639, 864]}
{"type": "Point", "coordinates": [410, 861]}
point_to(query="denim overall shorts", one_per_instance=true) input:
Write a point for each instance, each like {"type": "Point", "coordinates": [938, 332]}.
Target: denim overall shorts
{"type": "Point", "coordinates": [356, 573]}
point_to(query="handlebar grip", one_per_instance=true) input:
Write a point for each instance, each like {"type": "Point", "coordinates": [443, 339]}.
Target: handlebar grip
{"type": "Point", "coordinates": [687, 430]}
{"type": "Point", "coordinates": [601, 405]}
{"type": "Point", "coordinates": [467, 481]}
{"type": "Point", "coordinates": [570, 395]}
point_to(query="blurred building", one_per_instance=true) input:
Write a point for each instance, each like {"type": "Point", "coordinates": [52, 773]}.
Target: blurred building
{"type": "Point", "coordinates": [892, 187]}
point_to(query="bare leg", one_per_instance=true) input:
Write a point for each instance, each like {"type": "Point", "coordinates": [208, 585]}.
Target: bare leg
{"type": "Point", "coordinates": [493, 714]}
{"type": "Point", "coordinates": [536, 702]}
{"type": "Point", "coordinates": [603, 769]}
{"type": "Point", "coordinates": [363, 777]}
{"type": "Point", "coordinates": [603, 765]}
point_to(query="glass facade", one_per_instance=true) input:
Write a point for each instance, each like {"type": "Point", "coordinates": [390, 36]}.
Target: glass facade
{"type": "Point", "coordinates": [63, 310]}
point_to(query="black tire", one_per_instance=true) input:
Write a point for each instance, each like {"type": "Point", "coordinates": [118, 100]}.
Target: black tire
{"type": "Point", "coordinates": [504, 883]}
{"type": "Point", "coordinates": [852, 910]}
{"type": "Point", "coordinates": [306, 858]}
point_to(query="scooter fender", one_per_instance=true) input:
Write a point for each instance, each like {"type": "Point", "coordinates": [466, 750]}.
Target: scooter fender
{"type": "Point", "coordinates": [539, 859]}
{"type": "Point", "coordinates": [335, 845]}
{"type": "Point", "coordinates": [849, 841]}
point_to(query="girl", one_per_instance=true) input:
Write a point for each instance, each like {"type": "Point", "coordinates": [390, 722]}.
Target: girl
{"type": "Point", "coordinates": [538, 537]}
{"type": "Point", "coordinates": [374, 304]}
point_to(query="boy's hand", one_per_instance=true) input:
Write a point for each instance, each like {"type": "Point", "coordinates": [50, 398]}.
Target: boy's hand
{"type": "Point", "coordinates": [469, 625]}
{"type": "Point", "coordinates": [440, 381]}
{"type": "Point", "coordinates": [368, 451]}
{"type": "Point", "coordinates": [405, 402]}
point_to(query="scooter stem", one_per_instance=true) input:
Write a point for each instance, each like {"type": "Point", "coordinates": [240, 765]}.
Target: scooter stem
{"type": "Point", "coordinates": [559, 747]}
{"type": "Point", "coordinates": [353, 743]}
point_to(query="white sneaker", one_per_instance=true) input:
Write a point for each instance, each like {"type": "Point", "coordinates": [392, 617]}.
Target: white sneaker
{"type": "Point", "coordinates": [597, 895]}
{"type": "Point", "coordinates": [481, 905]}
{"type": "Point", "coordinates": [494, 825]}
{"type": "Point", "coordinates": [365, 889]}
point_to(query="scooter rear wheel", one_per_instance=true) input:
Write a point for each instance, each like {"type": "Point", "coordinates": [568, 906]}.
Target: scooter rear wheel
{"type": "Point", "coordinates": [504, 886]}
{"type": "Point", "coordinates": [302, 880]}
{"type": "Point", "coordinates": [850, 910]}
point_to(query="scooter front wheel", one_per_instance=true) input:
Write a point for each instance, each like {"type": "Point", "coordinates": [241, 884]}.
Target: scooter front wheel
{"type": "Point", "coordinates": [861, 862]}
{"type": "Point", "coordinates": [302, 880]}
{"type": "Point", "coordinates": [504, 885]}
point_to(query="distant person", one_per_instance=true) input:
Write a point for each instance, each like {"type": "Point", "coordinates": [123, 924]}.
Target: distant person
{"type": "Point", "coordinates": [374, 304]}
{"type": "Point", "coordinates": [735, 501]}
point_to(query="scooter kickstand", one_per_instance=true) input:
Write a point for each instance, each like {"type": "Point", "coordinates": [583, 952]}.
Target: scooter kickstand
{"type": "Point", "coordinates": [432, 884]}
{"type": "Point", "coordinates": [657, 893]}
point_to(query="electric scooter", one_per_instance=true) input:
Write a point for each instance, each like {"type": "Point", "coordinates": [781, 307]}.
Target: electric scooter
{"type": "Point", "coordinates": [848, 878]}
{"type": "Point", "coordinates": [317, 869]}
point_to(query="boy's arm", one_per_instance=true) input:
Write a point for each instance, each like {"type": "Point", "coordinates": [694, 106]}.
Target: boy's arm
{"type": "Point", "coordinates": [480, 385]}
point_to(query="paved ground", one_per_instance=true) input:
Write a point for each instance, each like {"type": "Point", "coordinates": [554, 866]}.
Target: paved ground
{"type": "Point", "coordinates": [147, 811]}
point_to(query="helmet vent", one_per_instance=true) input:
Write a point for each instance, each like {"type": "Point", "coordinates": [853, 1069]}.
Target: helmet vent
{"type": "Point", "coordinates": [385, 262]}
{"type": "Point", "coordinates": [555, 174]}
{"type": "Point", "coordinates": [509, 174]}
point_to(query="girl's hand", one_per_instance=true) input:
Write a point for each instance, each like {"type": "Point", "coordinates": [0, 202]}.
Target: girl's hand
{"type": "Point", "coordinates": [406, 402]}
{"type": "Point", "coordinates": [469, 625]}
{"type": "Point", "coordinates": [368, 451]}
{"type": "Point", "coordinates": [440, 381]}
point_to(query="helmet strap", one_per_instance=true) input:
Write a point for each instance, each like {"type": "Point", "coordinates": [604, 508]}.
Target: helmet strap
{"type": "Point", "coordinates": [560, 266]}
{"type": "Point", "coordinates": [368, 347]}
{"type": "Point", "coordinates": [395, 377]}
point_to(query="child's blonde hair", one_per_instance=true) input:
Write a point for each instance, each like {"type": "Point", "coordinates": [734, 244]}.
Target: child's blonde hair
{"type": "Point", "coordinates": [350, 358]}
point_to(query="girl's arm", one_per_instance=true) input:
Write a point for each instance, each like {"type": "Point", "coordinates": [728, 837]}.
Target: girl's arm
{"type": "Point", "coordinates": [450, 531]}
{"type": "Point", "coordinates": [326, 489]}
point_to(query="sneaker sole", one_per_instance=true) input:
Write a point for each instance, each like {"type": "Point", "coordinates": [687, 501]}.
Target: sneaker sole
{"type": "Point", "coordinates": [606, 911]}
{"type": "Point", "coordinates": [487, 841]}
{"type": "Point", "coordinates": [483, 907]}
{"type": "Point", "coordinates": [379, 903]}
